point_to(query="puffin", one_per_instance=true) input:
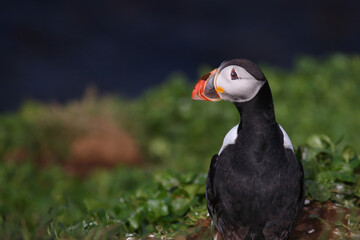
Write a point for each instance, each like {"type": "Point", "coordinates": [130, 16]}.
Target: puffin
{"type": "Point", "coordinates": [255, 185]}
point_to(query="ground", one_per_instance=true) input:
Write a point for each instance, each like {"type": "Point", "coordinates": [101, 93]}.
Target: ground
{"type": "Point", "coordinates": [318, 221]}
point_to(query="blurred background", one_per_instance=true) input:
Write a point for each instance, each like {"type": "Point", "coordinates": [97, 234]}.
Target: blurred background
{"type": "Point", "coordinates": [52, 50]}
{"type": "Point", "coordinates": [95, 101]}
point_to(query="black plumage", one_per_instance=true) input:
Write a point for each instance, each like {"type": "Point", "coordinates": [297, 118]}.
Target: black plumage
{"type": "Point", "coordinates": [255, 187]}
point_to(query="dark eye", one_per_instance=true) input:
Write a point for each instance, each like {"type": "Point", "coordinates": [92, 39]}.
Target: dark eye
{"type": "Point", "coordinates": [234, 75]}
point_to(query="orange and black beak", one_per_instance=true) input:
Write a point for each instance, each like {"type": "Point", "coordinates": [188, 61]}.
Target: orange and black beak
{"type": "Point", "coordinates": [205, 88]}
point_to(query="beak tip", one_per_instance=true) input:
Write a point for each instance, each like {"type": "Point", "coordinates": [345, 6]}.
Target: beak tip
{"type": "Point", "coordinates": [198, 89]}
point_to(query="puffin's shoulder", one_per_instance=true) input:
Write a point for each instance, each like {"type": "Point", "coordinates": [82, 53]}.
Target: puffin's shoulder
{"type": "Point", "coordinates": [286, 140]}
{"type": "Point", "coordinates": [231, 136]}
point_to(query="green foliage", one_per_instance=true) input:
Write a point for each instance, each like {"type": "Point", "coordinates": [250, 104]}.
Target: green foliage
{"type": "Point", "coordinates": [46, 203]}
{"type": "Point", "coordinates": [15, 133]}
{"type": "Point", "coordinates": [318, 96]}
{"type": "Point", "coordinates": [331, 171]}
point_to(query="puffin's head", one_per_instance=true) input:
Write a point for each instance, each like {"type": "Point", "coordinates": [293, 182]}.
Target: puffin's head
{"type": "Point", "coordinates": [237, 80]}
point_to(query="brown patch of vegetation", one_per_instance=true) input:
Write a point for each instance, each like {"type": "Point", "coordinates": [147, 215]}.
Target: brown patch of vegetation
{"type": "Point", "coordinates": [81, 136]}
{"type": "Point", "coordinates": [201, 231]}
{"type": "Point", "coordinates": [106, 147]}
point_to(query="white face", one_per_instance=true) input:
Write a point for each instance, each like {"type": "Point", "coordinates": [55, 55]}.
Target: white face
{"type": "Point", "coordinates": [235, 84]}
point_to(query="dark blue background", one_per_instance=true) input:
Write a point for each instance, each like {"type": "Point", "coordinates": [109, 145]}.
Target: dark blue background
{"type": "Point", "coordinates": [52, 50]}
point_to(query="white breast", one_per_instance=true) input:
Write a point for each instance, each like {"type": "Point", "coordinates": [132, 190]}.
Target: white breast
{"type": "Point", "coordinates": [287, 141]}
{"type": "Point", "coordinates": [231, 136]}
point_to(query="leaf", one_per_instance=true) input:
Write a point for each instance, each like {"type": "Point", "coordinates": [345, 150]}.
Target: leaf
{"type": "Point", "coordinates": [314, 141]}
{"type": "Point", "coordinates": [355, 163]}
{"type": "Point", "coordinates": [100, 213]}
{"type": "Point", "coordinates": [345, 177]}
{"type": "Point", "coordinates": [348, 153]}
{"type": "Point", "coordinates": [325, 158]}
{"type": "Point", "coordinates": [136, 218]}
{"type": "Point", "coordinates": [180, 201]}
{"type": "Point", "coordinates": [188, 177]}
{"type": "Point", "coordinates": [191, 189]}
{"type": "Point", "coordinates": [201, 179]}
{"type": "Point", "coordinates": [179, 206]}
{"type": "Point", "coordinates": [156, 208]}
{"type": "Point", "coordinates": [167, 179]}
{"type": "Point", "coordinates": [325, 177]}
{"type": "Point", "coordinates": [337, 197]}
{"type": "Point", "coordinates": [338, 164]}
{"type": "Point", "coordinates": [201, 190]}
{"type": "Point", "coordinates": [147, 190]}
{"type": "Point", "coordinates": [180, 192]}
{"type": "Point", "coordinates": [320, 142]}
{"type": "Point", "coordinates": [318, 191]}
